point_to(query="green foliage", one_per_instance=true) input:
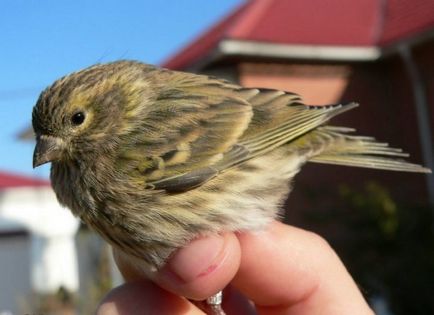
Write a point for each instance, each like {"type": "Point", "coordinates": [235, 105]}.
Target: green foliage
{"type": "Point", "coordinates": [61, 302]}
{"type": "Point", "coordinates": [377, 205]}
{"type": "Point", "coordinates": [388, 247]}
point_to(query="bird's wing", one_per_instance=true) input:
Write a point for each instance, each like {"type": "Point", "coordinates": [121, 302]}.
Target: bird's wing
{"type": "Point", "coordinates": [204, 126]}
{"type": "Point", "coordinates": [193, 121]}
{"type": "Point", "coordinates": [278, 118]}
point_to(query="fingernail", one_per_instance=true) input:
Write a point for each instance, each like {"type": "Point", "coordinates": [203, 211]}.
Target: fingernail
{"type": "Point", "coordinates": [198, 259]}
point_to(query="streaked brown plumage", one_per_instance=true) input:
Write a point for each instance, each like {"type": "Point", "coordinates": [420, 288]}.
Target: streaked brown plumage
{"type": "Point", "coordinates": [151, 158]}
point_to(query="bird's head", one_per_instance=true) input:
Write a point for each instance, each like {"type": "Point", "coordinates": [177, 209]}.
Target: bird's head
{"type": "Point", "coordinates": [82, 114]}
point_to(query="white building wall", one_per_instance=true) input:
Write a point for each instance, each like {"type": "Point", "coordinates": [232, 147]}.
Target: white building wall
{"type": "Point", "coordinates": [15, 280]}
{"type": "Point", "coordinates": [53, 257]}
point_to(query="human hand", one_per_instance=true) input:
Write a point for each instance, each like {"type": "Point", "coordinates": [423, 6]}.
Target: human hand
{"type": "Point", "coordinates": [281, 270]}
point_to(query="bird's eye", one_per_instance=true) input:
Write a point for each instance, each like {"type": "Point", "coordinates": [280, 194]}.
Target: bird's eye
{"type": "Point", "coordinates": [78, 118]}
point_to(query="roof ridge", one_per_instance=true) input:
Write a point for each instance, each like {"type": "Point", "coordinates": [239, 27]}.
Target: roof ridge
{"type": "Point", "coordinates": [204, 41]}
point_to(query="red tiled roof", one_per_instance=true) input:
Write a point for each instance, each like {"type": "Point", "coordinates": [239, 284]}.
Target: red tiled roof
{"type": "Point", "coordinates": [367, 23]}
{"type": "Point", "coordinates": [9, 180]}
{"type": "Point", "coordinates": [404, 18]}
{"type": "Point", "coordinates": [324, 22]}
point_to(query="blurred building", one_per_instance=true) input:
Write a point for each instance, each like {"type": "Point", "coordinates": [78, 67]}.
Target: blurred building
{"type": "Point", "coordinates": [47, 264]}
{"type": "Point", "coordinates": [378, 53]}
{"type": "Point", "coordinates": [37, 247]}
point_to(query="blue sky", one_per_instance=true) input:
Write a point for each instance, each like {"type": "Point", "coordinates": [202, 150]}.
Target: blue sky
{"type": "Point", "coordinates": [43, 40]}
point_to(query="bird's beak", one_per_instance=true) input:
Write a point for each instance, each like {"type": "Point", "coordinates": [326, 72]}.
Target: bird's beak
{"type": "Point", "coordinates": [48, 149]}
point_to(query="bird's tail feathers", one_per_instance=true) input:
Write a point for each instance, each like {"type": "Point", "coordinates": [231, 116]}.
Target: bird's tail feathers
{"type": "Point", "coordinates": [339, 147]}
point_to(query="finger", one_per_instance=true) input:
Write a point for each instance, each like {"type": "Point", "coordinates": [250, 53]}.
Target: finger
{"type": "Point", "coordinates": [199, 270]}
{"type": "Point", "coordinates": [233, 302]}
{"type": "Point", "coordinates": [202, 268]}
{"type": "Point", "coordinates": [144, 297]}
{"type": "Point", "coordinates": [286, 270]}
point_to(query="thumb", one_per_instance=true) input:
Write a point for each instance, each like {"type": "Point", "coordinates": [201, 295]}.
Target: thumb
{"type": "Point", "coordinates": [197, 271]}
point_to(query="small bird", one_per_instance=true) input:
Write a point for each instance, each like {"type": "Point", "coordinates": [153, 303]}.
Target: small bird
{"type": "Point", "coordinates": [152, 158]}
